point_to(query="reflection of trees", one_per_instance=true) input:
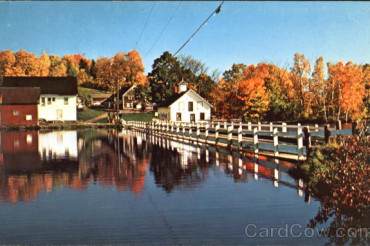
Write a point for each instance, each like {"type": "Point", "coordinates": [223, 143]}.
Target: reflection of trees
{"type": "Point", "coordinates": [114, 161]}
{"type": "Point", "coordinates": [102, 158]}
{"type": "Point", "coordinates": [25, 185]}
{"type": "Point", "coordinates": [166, 164]}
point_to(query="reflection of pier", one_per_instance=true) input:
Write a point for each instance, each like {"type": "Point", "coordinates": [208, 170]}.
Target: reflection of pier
{"type": "Point", "coordinates": [240, 166]}
{"type": "Point", "coordinates": [32, 162]}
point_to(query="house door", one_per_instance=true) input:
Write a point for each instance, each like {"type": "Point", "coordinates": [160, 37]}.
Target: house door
{"type": "Point", "coordinates": [178, 117]}
{"type": "Point", "coordinates": [59, 114]}
{"type": "Point", "coordinates": [192, 118]}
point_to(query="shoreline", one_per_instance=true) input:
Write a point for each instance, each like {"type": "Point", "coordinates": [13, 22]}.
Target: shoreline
{"type": "Point", "coordinates": [56, 126]}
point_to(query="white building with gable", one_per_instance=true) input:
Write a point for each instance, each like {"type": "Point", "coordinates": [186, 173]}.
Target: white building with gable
{"type": "Point", "coordinates": [58, 95]}
{"type": "Point", "coordinates": [185, 106]}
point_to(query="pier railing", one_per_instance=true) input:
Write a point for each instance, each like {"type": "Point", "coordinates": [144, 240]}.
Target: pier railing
{"type": "Point", "coordinates": [277, 140]}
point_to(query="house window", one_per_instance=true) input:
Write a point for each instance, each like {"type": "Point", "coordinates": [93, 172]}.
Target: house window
{"type": "Point", "coordinates": [181, 106]}
{"type": "Point", "coordinates": [1, 99]}
{"type": "Point", "coordinates": [49, 100]}
{"type": "Point", "coordinates": [42, 101]}
{"type": "Point", "coordinates": [53, 99]}
{"type": "Point", "coordinates": [190, 106]}
{"type": "Point", "coordinates": [201, 116]}
{"type": "Point", "coordinates": [16, 144]}
{"type": "Point", "coordinates": [28, 117]}
{"type": "Point", "coordinates": [66, 101]}
{"type": "Point", "coordinates": [200, 105]}
{"type": "Point", "coordinates": [29, 139]}
{"type": "Point", "coordinates": [178, 117]}
{"type": "Point", "coordinates": [15, 112]}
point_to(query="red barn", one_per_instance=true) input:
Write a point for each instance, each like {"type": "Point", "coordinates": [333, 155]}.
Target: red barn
{"type": "Point", "coordinates": [18, 106]}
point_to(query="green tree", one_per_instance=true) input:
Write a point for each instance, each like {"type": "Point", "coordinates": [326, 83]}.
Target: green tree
{"type": "Point", "coordinates": [166, 73]}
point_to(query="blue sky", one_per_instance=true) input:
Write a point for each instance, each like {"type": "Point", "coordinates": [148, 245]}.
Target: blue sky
{"type": "Point", "coordinates": [243, 32]}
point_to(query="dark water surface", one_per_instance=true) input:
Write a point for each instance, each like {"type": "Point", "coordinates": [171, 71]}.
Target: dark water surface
{"type": "Point", "coordinates": [92, 187]}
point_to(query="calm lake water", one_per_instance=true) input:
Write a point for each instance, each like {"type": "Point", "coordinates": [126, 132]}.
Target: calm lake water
{"type": "Point", "coordinates": [109, 187]}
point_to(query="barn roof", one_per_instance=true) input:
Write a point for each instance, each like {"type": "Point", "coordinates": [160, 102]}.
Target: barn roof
{"type": "Point", "coordinates": [48, 85]}
{"type": "Point", "coordinates": [14, 96]}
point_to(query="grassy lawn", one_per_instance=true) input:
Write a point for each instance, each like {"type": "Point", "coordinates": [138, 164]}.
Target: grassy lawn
{"type": "Point", "coordinates": [88, 113]}
{"type": "Point", "coordinates": [84, 93]}
{"type": "Point", "coordinates": [137, 117]}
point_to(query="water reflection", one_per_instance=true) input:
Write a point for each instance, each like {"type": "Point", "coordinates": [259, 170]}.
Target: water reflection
{"type": "Point", "coordinates": [32, 162]}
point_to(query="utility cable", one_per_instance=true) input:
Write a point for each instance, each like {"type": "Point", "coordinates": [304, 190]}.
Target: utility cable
{"type": "Point", "coordinates": [216, 11]}
{"type": "Point", "coordinates": [164, 28]}
{"type": "Point", "coordinates": [146, 22]}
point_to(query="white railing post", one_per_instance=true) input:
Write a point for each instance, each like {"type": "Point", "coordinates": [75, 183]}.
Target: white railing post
{"type": "Point", "coordinates": [249, 126]}
{"type": "Point", "coordinates": [206, 132]}
{"type": "Point", "coordinates": [217, 128]}
{"type": "Point", "coordinates": [259, 126]}
{"type": "Point", "coordinates": [198, 131]}
{"type": "Point", "coordinates": [240, 136]}
{"type": "Point", "coordinates": [255, 140]}
{"type": "Point", "coordinates": [283, 128]}
{"type": "Point", "coordinates": [271, 127]}
{"type": "Point", "coordinates": [316, 127]}
{"type": "Point", "coordinates": [230, 135]}
{"type": "Point", "coordinates": [299, 141]}
{"type": "Point", "coordinates": [276, 142]}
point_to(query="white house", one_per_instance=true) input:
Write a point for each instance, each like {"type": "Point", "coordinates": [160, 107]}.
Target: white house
{"type": "Point", "coordinates": [185, 106]}
{"type": "Point", "coordinates": [58, 95]}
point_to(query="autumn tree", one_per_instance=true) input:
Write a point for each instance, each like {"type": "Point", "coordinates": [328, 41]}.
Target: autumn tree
{"type": "Point", "coordinates": [104, 77]}
{"type": "Point", "coordinates": [7, 60]}
{"type": "Point", "coordinates": [320, 90]}
{"type": "Point", "coordinates": [42, 66]}
{"type": "Point", "coordinates": [252, 94]}
{"type": "Point", "coordinates": [58, 67]}
{"type": "Point", "coordinates": [279, 88]}
{"type": "Point", "coordinates": [352, 91]}
{"type": "Point", "coordinates": [348, 89]}
{"type": "Point", "coordinates": [366, 83]}
{"type": "Point", "coordinates": [135, 69]}
{"type": "Point", "coordinates": [224, 95]}
{"type": "Point", "coordinates": [301, 82]}
{"type": "Point", "coordinates": [24, 65]}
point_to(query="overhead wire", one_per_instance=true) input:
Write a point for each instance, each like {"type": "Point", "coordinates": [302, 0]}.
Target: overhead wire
{"type": "Point", "coordinates": [216, 11]}
{"type": "Point", "coordinates": [164, 28]}
{"type": "Point", "coordinates": [146, 23]}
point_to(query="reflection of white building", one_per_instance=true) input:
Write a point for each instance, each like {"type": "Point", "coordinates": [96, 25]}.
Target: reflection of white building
{"type": "Point", "coordinates": [58, 144]}
{"type": "Point", "coordinates": [185, 152]}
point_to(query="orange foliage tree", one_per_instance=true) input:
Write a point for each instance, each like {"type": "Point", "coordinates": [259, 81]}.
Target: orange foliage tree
{"type": "Point", "coordinates": [7, 60]}
{"type": "Point", "coordinates": [350, 89]}
{"type": "Point", "coordinates": [127, 69]}
{"type": "Point", "coordinates": [58, 67]}
{"type": "Point", "coordinates": [252, 94]}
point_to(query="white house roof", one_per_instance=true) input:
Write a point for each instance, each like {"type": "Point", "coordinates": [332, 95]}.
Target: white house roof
{"type": "Point", "coordinates": [174, 98]}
